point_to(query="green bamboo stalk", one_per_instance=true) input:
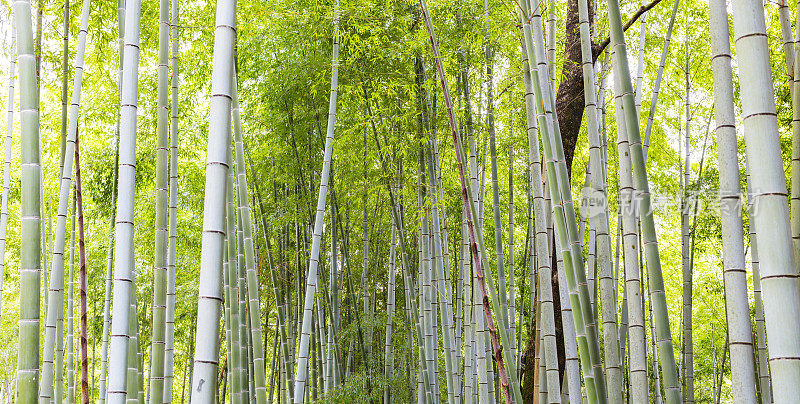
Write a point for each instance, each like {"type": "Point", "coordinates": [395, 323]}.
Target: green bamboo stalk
{"type": "Point", "coordinates": [546, 316]}
{"type": "Point", "coordinates": [789, 55]}
{"type": "Point", "coordinates": [7, 169]}
{"type": "Point", "coordinates": [226, 289]}
{"type": "Point", "coordinates": [244, 318]}
{"type": "Point", "coordinates": [232, 298]}
{"type": "Point", "coordinates": [124, 252]}
{"type": "Point", "coordinates": [301, 370]}
{"type": "Point", "coordinates": [56, 288]}
{"type": "Point", "coordinates": [509, 381]}
{"type": "Point", "coordinates": [158, 325]}
{"type": "Point", "coordinates": [687, 360]}
{"type": "Point", "coordinates": [249, 255]}
{"type": "Point", "coordinates": [564, 212]}
{"type": "Point", "coordinates": [657, 86]}
{"type": "Point", "coordinates": [133, 359]}
{"type": "Point", "coordinates": [445, 309]}
{"type": "Point", "coordinates": [30, 180]}
{"type": "Point", "coordinates": [390, 297]}
{"type": "Point", "coordinates": [598, 212]}
{"type": "Point", "coordinates": [657, 292]}
{"type": "Point", "coordinates": [111, 237]}
{"type": "Point", "coordinates": [172, 213]}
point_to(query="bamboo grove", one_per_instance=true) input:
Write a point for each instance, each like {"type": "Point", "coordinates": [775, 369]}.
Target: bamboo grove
{"type": "Point", "coordinates": [533, 201]}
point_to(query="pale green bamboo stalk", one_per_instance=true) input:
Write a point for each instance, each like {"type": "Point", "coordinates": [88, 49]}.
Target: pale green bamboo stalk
{"type": "Point", "coordinates": [777, 265]}
{"type": "Point", "coordinates": [172, 211]}
{"type": "Point", "coordinates": [633, 310]}
{"type": "Point", "coordinates": [687, 360]}
{"type": "Point", "coordinates": [564, 213]}
{"type": "Point", "coordinates": [132, 371]}
{"type": "Point", "coordinates": [657, 292]}
{"type": "Point", "coordinates": [542, 249]}
{"type": "Point", "coordinates": [793, 66]}
{"type": "Point", "coordinates": [162, 172]}
{"type": "Point", "coordinates": [124, 250]}
{"type": "Point", "coordinates": [234, 394]}
{"type": "Point", "coordinates": [498, 229]}
{"type": "Point", "coordinates": [764, 384]}
{"type": "Point", "coordinates": [249, 255]}
{"type": "Point", "coordinates": [30, 222]}
{"type": "Point", "coordinates": [239, 268]}
{"type": "Point", "coordinates": [7, 168]}
{"type": "Point", "coordinates": [509, 381]}
{"type": "Point", "coordinates": [388, 360]}
{"type": "Point", "coordinates": [445, 309]}
{"type": "Point", "coordinates": [56, 288]}
{"type": "Point", "coordinates": [788, 42]}
{"type": "Point", "coordinates": [512, 310]}
{"type": "Point", "coordinates": [206, 354]}
{"type": "Point", "coordinates": [111, 237]}
{"type": "Point", "coordinates": [232, 299]}
{"type": "Point", "coordinates": [598, 212]}
{"type": "Point", "coordinates": [657, 86]}
{"type": "Point", "coordinates": [301, 370]}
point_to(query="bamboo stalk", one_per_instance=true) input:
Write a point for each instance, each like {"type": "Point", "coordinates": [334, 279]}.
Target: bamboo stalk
{"type": "Point", "coordinates": [30, 227]}
{"type": "Point", "coordinates": [777, 265]}
{"type": "Point", "coordinates": [172, 213]}
{"type": "Point", "coordinates": [8, 140]}
{"type": "Point", "coordinates": [657, 292]}
{"type": "Point", "coordinates": [301, 370]}
{"type": "Point", "coordinates": [111, 238]}
{"type": "Point", "coordinates": [206, 353]}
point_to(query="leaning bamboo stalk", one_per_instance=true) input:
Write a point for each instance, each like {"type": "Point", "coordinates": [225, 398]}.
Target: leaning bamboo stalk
{"type": "Point", "coordinates": [30, 222]}
{"type": "Point", "coordinates": [206, 353]}
{"type": "Point", "coordinates": [158, 325]}
{"type": "Point", "coordinates": [508, 380]}
{"type": "Point", "coordinates": [55, 292]}
{"type": "Point", "coordinates": [124, 250]}
{"type": "Point", "coordinates": [172, 212]}
{"type": "Point", "coordinates": [301, 370]}
{"type": "Point", "coordinates": [771, 218]}
{"type": "Point", "coordinates": [598, 211]}
{"type": "Point", "coordinates": [249, 255]}
{"type": "Point", "coordinates": [7, 170]}
{"type": "Point", "coordinates": [657, 86]}
{"type": "Point", "coordinates": [657, 292]}
{"type": "Point", "coordinates": [566, 227]}
{"type": "Point", "coordinates": [542, 247]}
{"type": "Point", "coordinates": [111, 237]}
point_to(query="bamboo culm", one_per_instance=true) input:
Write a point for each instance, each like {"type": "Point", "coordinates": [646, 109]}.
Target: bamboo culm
{"type": "Point", "coordinates": [777, 266]}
